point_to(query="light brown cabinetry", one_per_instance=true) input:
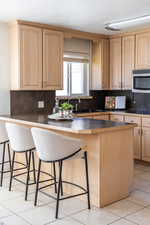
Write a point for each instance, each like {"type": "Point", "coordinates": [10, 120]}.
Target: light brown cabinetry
{"type": "Point", "coordinates": [52, 59]}
{"type": "Point", "coordinates": [146, 139]}
{"type": "Point", "coordinates": [101, 117]}
{"type": "Point", "coordinates": [143, 50]}
{"type": "Point", "coordinates": [128, 58]}
{"type": "Point", "coordinates": [137, 143]}
{"type": "Point", "coordinates": [26, 57]}
{"type": "Point", "coordinates": [137, 135]}
{"type": "Point", "coordinates": [117, 118]}
{"type": "Point", "coordinates": [30, 42]}
{"type": "Point", "coordinates": [100, 64]}
{"type": "Point", "coordinates": [146, 144]}
{"type": "Point", "coordinates": [133, 119]}
{"type": "Point", "coordinates": [115, 63]}
{"type": "Point", "coordinates": [36, 58]}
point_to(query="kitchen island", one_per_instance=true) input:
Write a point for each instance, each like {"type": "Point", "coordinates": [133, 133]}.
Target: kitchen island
{"type": "Point", "coordinates": [110, 154]}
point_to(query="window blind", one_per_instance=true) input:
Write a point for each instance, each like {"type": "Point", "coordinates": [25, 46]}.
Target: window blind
{"type": "Point", "coordinates": [77, 50]}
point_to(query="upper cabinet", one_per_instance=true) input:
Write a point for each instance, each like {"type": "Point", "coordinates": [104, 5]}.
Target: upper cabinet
{"type": "Point", "coordinates": [52, 59]}
{"type": "Point", "coordinates": [128, 56]}
{"type": "Point", "coordinates": [142, 51]}
{"type": "Point", "coordinates": [115, 63]}
{"type": "Point", "coordinates": [36, 58]}
{"type": "Point", "coordinates": [100, 64]}
{"type": "Point", "coordinates": [30, 42]}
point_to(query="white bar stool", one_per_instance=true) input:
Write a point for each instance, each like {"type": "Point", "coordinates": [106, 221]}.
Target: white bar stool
{"type": "Point", "coordinates": [57, 148]}
{"type": "Point", "coordinates": [4, 142]}
{"type": "Point", "coordinates": [21, 141]}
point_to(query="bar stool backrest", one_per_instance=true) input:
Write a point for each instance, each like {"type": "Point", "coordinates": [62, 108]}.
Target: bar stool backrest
{"type": "Point", "coordinates": [52, 146]}
{"type": "Point", "coordinates": [20, 137]}
{"type": "Point", "coordinates": [3, 132]}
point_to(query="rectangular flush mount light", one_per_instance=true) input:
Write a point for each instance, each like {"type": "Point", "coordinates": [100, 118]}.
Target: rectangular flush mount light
{"type": "Point", "coordinates": [117, 26]}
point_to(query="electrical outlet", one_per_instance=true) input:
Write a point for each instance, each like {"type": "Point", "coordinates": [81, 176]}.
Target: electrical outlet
{"type": "Point", "coordinates": [40, 104]}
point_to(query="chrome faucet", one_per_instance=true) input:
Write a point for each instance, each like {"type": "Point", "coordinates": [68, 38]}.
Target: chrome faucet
{"type": "Point", "coordinates": [76, 105]}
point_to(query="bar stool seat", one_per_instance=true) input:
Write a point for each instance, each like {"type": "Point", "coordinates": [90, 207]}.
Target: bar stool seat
{"type": "Point", "coordinates": [21, 141]}
{"type": "Point", "coordinates": [4, 141]}
{"type": "Point", "coordinates": [53, 147]}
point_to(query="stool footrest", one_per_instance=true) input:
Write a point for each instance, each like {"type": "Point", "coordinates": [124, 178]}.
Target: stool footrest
{"type": "Point", "coordinates": [16, 175]}
{"type": "Point", "coordinates": [71, 196]}
{"type": "Point", "coordinates": [22, 182]}
{"type": "Point", "coordinates": [5, 162]}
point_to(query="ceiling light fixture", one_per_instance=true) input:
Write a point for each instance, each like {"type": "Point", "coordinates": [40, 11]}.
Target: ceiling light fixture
{"type": "Point", "coordinates": [117, 26]}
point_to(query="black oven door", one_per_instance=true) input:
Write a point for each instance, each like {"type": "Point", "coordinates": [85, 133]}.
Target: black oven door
{"type": "Point", "coordinates": [141, 83]}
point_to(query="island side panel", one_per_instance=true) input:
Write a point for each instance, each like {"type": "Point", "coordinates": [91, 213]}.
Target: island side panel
{"type": "Point", "coordinates": [74, 170]}
{"type": "Point", "coordinates": [116, 165]}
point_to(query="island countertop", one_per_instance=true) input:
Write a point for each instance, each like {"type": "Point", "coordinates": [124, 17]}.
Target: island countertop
{"type": "Point", "coordinates": [77, 125]}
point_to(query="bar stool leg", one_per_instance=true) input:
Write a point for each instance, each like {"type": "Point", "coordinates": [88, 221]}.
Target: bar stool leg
{"type": "Point", "coordinates": [54, 171]}
{"type": "Point", "coordinates": [34, 171]}
{"type": "Point", "coordinates": [28, 175]}
{"type": "Point", "coordinates": [59, 189]}
{"type": "Point", "coordinates": [61, 182]}
{"type": "Point", "coordinates": [9, 155]}
{"type": "Point", "coordinates": [3, 164]}
{"type": "Point", "coordinates": [87, 179]}
{"type": "Point", "coordinates": [12, 170]}
{"type": "Point", "coordinates": [37, 183]}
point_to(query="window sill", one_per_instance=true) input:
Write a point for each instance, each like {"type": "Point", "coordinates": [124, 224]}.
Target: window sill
{"type": "Point", "coordinates": [74, 97]}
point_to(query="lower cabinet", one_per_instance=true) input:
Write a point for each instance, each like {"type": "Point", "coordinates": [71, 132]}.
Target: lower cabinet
{"type": "Point", "coordinates": [141, 132]}
{"type": "Point", "coordinates": [101, 117]}
{"type": "Point", "coordinates": [137, 142]}
{"type": "Point", "coordinates": [146, 144]}
{"type": "Point", "coordinates": [117, 118]}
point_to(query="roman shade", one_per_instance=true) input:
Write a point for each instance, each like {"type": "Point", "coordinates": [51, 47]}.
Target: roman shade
{"type": "Point", "coordinates": [77, 50]}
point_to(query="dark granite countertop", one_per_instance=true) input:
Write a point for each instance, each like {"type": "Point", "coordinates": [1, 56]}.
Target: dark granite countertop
{"type": "Point", "coordinates": [77, 125]}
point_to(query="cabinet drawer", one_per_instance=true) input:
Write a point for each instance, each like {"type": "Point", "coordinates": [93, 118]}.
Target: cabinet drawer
{"type": "Point", "coordinates": [146, 122]}
{"type": "Point", "coordinates": [132, 119]}
{"type": "Point", "coordinates": [117, 118]}
{"type": "Point", "coordinates": [101, 117]}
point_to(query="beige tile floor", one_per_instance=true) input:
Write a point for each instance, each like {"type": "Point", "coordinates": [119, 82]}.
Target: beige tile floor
{"type": "Point", "coordinates": [133, 210]}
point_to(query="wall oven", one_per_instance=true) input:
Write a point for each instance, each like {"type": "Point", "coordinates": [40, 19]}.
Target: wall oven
{"type": "Point", "coordinates": [141, 81]}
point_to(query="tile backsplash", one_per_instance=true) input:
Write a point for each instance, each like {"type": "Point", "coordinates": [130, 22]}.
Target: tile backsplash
{"type": "Point", "coordinates": [26, 102]}
{"type": "Point", "coordinates": [100, 97]}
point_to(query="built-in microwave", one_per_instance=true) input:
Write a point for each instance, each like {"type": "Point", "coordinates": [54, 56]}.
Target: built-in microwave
{"type": "Point", "coordinates": [141, 81]}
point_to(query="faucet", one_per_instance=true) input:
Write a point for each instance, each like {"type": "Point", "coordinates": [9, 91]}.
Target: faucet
{"type": "Point", "coordinates": [76, 105]}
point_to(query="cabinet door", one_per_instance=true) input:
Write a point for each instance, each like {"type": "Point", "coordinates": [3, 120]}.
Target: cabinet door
{"type": "Point", "coordinates": [100, 65]}
{"type": "Point", "coordinates": [146, 144]}
{"type": "Point", "coordinates": [117, 118]}
{"type": "Point", "coordinates": [30, 42]}
{"type": "Point", "coordinates": [52, 60]}
{"type": "Point", "coordinates": [143, 50]}
{"type": "Point", "coordinates": [101, 117]}
{"type": "Point", "coordinates": [128, 49]}
{"type": "Point", "coordinates": [137, 143]}
{"type": "Point", "coordinates": [115, 63]}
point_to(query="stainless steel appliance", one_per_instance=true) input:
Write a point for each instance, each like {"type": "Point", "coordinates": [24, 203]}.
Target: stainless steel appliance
{"type": "Point", "coordinates": [141, 81]}
{"type": "Point", "coordinates": [115, 102]}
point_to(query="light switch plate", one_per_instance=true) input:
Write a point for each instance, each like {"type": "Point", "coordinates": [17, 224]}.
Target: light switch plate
{"type": "Point", "coordinates": [40, 104]}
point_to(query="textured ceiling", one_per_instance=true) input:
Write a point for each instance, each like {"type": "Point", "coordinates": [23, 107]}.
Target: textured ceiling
{"type": "Point", "coordinates": [86, 15]}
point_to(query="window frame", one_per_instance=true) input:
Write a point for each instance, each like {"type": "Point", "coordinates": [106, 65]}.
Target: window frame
{"type": "Point", "coordinates": [86, 79]}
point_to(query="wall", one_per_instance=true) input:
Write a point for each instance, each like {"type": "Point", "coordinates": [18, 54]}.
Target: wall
{"type": "Point", "coordinates": [4, 69]}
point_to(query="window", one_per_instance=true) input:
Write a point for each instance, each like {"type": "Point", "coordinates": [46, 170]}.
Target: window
{"type": "Point", "coordinates": [76, 79]}
{"type": "Point", "coordinates": [77, 55]}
